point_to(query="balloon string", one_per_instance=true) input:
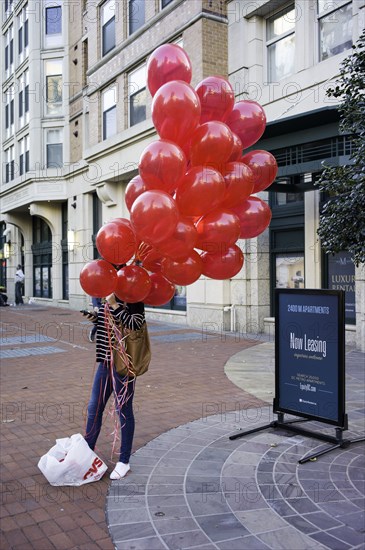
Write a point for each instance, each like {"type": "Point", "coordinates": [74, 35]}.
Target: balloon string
{"type": "Point", "coordinates": [116, 344]}
{"type": "Point", "coordinates": [143, 250]}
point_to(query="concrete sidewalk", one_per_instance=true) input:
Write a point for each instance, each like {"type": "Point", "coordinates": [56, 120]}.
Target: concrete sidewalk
{"type": "Point", "coordinates": [190, 486]}
{"type": "Point", "coordinates": [194, 488]}
{"type": "Point", "coordinates": [47, 366]}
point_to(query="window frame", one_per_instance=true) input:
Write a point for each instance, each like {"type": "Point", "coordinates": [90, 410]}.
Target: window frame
{"type": "Point", "coordinates": [140, 90]}
{"type": "Point", "coordinates": [131, 28]}
{"type": "Point", "coordinates": [10, 164]}
{"type": "Point", "coordinates": [321, 16]}
{"type": "Point", "coordinates": [23, 36]}
{"type": "Point", "coordinates": [9, 51]}
{"type": "Point", "coordinates": [108, 107]}
{"type": "Point", "coordinates": [105, 24]}
{"type": "Point", "coordinates": [58, 19]}
{"type": "Point", "coordinates": [53, 108]}
{"type": "Point", "coordinates": [23, 147]}
{"type": "Point", "coordinates": [48, 144]}
{"type": "Point", "coordinates": [9, 112]}
{"type": "Point", "coordinates": [269, 42]}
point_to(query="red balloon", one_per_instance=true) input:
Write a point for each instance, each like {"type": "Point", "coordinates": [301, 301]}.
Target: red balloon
{"type": "Point", "coordinates": [248, 121]}
{"type": "Point", "coordinates": [183, 273]}
{"type": "Point", "coordinates": [211, 144]}
{"type": "Point", "coordinates": [161, 291]}
{"type": "Point", "coordinates": [239, 183]}
{"type": "Point", "coordinates": [161, 165]}
{"type": "Point", "coordinates": [236, 150]}
{"type": "Point", "coordinates": [175, 111]}
{"type": "Point", "coordinates": [264, 168]}
{"type": "Point", "coordinates": [216, 228]}
{"type": "Point", "coordinates": [133, 284]}
{"type": "Point", "coordinates": [254, 215]}
{"type": "Point", "coordinates": [134, 189]}
{"type": "Point", "coordinates": [168, 62]}
{"type": "Point", "coordinates": [182, 242]}
{"type": "Point", "coordinates": [154, 216]}
{"type": "Point", "coordinates": [216, 98]}
{"type": "Point", "coordinates": [200, 190]}
{"type": "Point", "coordinates": [98, 278]}
{"type": "Point", "coordinates": [116, 241]}
{"type": "Point", "coordinates": [224, 264]}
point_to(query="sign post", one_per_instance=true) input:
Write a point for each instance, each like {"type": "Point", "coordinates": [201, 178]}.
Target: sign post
{"type": "Point", "coordinates": [309, 364]}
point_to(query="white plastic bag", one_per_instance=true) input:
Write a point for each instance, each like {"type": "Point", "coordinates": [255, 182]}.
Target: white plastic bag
{"type": "Point", "coordinates": [71, 462]}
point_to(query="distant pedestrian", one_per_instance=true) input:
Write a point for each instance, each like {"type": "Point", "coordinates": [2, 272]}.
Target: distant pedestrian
{"type": "Point", "coordinates": [19, 280]}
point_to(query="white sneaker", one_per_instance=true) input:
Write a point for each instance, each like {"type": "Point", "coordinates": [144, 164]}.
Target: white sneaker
{"type": "Point", "coordinates": [120, 470]}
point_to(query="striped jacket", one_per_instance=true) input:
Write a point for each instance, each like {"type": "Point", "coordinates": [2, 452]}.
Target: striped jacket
{"type": "Point", "coordinates": [129, 315]}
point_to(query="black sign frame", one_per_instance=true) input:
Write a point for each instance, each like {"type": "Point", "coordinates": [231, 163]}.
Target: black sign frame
{"type": "Point", "coordinates": [338, 297]}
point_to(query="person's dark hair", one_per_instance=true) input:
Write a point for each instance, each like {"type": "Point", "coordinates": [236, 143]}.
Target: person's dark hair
{"type": "Point", "coordinates": [19, 266]}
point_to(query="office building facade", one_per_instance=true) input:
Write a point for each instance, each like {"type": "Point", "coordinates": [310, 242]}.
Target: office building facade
{"type": "Point", "coordinates": [77, 115]}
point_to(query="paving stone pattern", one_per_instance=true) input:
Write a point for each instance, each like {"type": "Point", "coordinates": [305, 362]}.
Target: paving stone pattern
{"type": "Point", "coordinates": [190, 486]}
{"type": "Point", "coordinates": [194, 488]}
{"type": "Point", "coordinates": [44, 397]}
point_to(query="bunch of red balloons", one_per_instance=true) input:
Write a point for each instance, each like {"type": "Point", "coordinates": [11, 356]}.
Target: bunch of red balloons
{"type": "Point", "coordinates": [193, 198]}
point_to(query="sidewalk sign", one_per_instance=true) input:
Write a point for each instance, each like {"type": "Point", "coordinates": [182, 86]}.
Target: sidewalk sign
{"type": "Point", "coordinates": [310, 365]}
{"type": "Point", "coordinates": [310, 355]}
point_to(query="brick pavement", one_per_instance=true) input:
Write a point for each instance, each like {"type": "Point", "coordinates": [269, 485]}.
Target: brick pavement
{"type": "Point", "coordinates": [44, 397]}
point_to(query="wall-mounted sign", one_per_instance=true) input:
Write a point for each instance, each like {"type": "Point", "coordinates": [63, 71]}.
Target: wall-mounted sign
{"type": "Point", "coordinates": [341, 276]}
{"type": "Point", "coordinates": [309, 354]}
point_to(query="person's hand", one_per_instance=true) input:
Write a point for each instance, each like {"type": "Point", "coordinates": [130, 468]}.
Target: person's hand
{"type": "Point", "coordinates": [112, 301]}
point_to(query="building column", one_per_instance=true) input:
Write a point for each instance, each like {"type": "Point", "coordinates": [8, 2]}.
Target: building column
{"type": "Point", "coordinates": [360, 307]}
{"type": "Point", "coordinates": [312, 264]}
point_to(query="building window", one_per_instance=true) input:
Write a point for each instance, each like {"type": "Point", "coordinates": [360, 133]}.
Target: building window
{"type": "Point", "coordinates": [280, 42]}
{"type": "Point", "coordinates": [108, 26]}
{"type": "Point", "coordinates": [137, 95]}
{"type": "Point", "coordinates": [286, 257]}
{"type": "Point", "coordinates": [8, 7]}
{"type": "Point", "coordinates": [9, 112]}
{"type": "Point", "coordinates": [9, 51]}
{"type": "Point", "coordinates": [54, 20]}
{"type": "Point", "coordinates": [164, 3]}
{"type": "Point", "coordinates": [23, 34]}
{"type": "Point", "coordinates": [136, 14]}
{"type": "Point", "coordinates": [109, 112]}
{"type": "Point", "coordinates": [9, 164]}
{"type": "Point", "coordinates": [54, 86]}
{"type": "Point", "coordinates": [23, 99]}
{"type": "Point", "coordinates": [42, 259]}
{"type": "Point", "coordinates": [24, 155]}
{"type": "Point", "coordinates": [54, 151]}
{"type": "Point", "coordinates": [335, 27]}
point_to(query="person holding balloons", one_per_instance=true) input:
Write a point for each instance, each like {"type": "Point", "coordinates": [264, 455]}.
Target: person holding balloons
{"type": "Point", "coordinates": [112, 315]}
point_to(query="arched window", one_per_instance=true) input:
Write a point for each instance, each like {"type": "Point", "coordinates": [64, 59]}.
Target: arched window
{"type": "Point", "coordinates": [42, 259]}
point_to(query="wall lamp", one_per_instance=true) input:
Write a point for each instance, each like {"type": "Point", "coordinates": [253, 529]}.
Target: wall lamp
{"type": "Point", "coordinates": [6, 250]}
{"type": "Point", "coordinates": [71, 240]}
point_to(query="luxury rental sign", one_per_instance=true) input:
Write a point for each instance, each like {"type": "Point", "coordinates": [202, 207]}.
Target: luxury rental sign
{"type": "Point", "coordinates": [308, 372]}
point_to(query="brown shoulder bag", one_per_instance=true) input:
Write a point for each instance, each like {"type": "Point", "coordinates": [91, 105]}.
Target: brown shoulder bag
{"type": "Point", "coordinates": [138, 348]}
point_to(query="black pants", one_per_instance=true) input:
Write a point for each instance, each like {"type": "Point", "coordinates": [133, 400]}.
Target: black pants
{"type": "Point", "coordinates": [19, 293]}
